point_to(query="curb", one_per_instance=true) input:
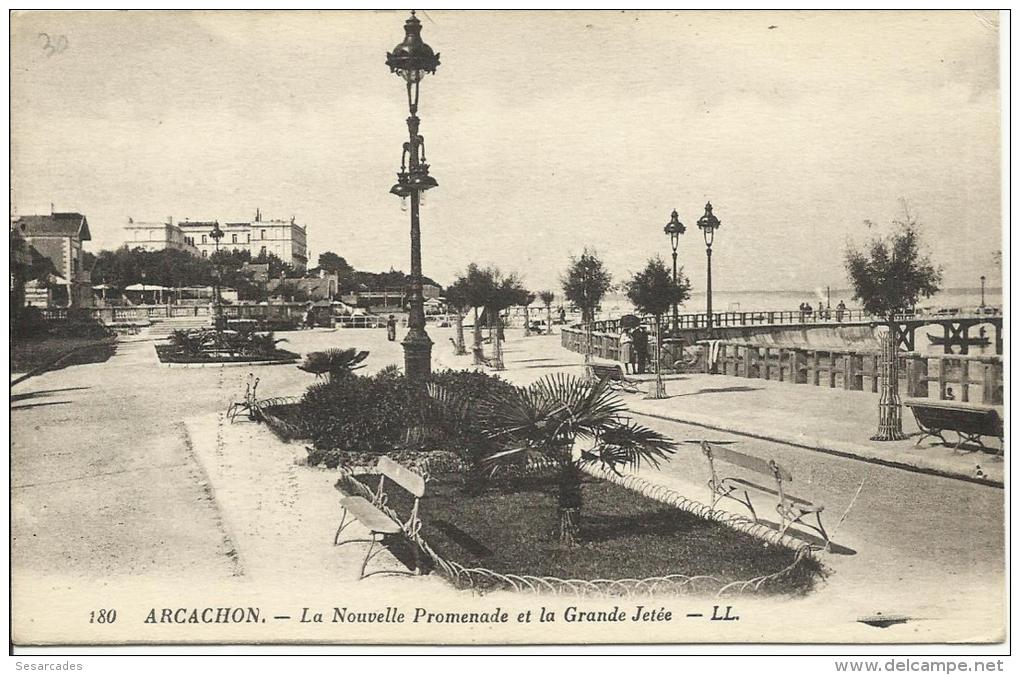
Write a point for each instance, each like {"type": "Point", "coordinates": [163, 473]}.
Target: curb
{"type": "Point", "coordinates": [230, 364]}
{"type": "Point", "coordinates": [817, 446]}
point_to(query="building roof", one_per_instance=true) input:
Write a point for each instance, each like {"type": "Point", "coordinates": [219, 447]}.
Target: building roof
{"type": "Point", "coordinates": [55, 225]}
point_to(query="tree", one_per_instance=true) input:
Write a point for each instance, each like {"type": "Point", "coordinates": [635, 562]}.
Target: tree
{"type": "Point", "coordinates": [526, 298]}
{"type": "Point", "coordinates": [652, 291]}
{"type": "Point", "coordinates": [585, 284]}
{"type": "Point", "coordinates": [277, 268]}
{"type": "Point", "coordinates": [335, 264]}
{"type": "Point", "coordinates": [478, 285]}
{"type": "Point", "coordinates": [505, 292]}
{"type": "Point", "coordinates": [544, 421]}
{"type": "Point", "coordinates": [889, 276]}
{"type": "Point", "coordinates": [547, 298]}
{"type": "Point", "coordinates": [457, 301]}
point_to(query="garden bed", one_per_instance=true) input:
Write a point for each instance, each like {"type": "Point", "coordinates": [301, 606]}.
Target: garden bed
{"type": "Point", "coordinates": [167, 354]}
{"type": "Point", "coordinates": [509, 529]}
{"type": "Point", "coordinates": [29, 354]}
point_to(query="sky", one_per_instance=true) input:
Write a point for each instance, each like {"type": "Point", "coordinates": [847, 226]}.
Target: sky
{"type": "Point", "coordinates": [548, 132]}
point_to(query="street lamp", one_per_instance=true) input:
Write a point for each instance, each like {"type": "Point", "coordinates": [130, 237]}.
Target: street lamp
{"type": "Point", "coordinates": [674, 228]}
{"type": "Point", "coordinates": [982, 291]}
{"type": "Point", "coordinates": [709, 224]}
{"type": "Point", "coordinates": [216, 235]}
{"type": "Point", "coordinates": [411, 59]}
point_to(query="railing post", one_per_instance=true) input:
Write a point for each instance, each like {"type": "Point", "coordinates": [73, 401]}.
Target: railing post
{"type": "Point", "coordinates": [964, 380]}
{"type": "Point", "coordinates": [917, 377]}
{"type": "Point", "coordinates": [942, 378]}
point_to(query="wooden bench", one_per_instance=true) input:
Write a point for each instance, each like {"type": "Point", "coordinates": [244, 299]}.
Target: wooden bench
{"type": "Point", "coordinates": [790, 509]}
{"type": "Point", "coordinates": [381, 520]}
{"type": "Point", "coordinates": [615, 376]}
{"type": "Point", "coordinates": [970, 421]}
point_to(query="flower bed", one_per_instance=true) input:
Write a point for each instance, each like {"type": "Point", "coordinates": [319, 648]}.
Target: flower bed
{"type": "Point", "coordinates": [504, 536]}
{"type": "Point", "coordinates": [167, 354]}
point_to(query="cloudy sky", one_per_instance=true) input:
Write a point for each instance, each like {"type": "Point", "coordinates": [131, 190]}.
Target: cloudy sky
{"type": "Point", "coordinates": [547, 132]}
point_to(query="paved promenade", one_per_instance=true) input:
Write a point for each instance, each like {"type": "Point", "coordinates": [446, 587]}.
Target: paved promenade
{"type": "Point", "coordinates": [123, 473]}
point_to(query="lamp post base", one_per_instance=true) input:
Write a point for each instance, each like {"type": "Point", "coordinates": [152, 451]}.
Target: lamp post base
{"type": "Point", "coordinates": [417, 355]}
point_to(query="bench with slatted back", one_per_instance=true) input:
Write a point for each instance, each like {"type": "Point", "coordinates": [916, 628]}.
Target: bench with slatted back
{"type": "Point", "coordinates": [790, 509]}
{"type": "Point", "coordinates": [614, 375]}
{"type": "Point", "coordinates": [380, 519]}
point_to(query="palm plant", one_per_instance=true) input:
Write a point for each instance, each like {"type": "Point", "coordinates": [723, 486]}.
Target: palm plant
{"type": "Point", "coordinates": [547, 298]}
{"type": "Point", "coordinates": [334, 363]}
{"type": "Point", "coordinates": [544, 421]}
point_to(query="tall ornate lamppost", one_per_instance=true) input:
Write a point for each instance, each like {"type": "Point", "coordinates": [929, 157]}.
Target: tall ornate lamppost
{"type": "Point", "coordinates": [216, 235]}
{"type": "Point", "coordinates": [982, 291]}
{"type": "Point", "coordinates": [674, 228]}
{"type": "Point", "coordinates": [411, 59]}
{"type": "Point", "coordinates": [709, 224]}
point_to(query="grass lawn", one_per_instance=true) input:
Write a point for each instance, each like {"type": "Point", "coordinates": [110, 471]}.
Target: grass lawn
{"type": "Point", "coordinates": [30, 353]}
{"type": "Point", "coordinates": [166, 355]}
{"type": "Point", "coordinates": [512, 527]}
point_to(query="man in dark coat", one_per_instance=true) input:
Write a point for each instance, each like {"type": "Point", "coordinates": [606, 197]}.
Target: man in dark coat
{"type": "Point", "coordinates": [640, 337]}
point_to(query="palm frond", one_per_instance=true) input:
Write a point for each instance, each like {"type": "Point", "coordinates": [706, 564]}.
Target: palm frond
{"type": "Point", "coordinates": [628, 445]}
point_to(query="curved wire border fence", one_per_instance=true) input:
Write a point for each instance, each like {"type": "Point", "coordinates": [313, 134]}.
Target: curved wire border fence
{"type": "Point", "coordinates": [676, 584]}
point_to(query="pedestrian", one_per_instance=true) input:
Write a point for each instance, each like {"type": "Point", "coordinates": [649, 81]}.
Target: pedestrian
{"type": "Point", "coordinates": [626, 350]}
{"type": "Point", "coordinates": [640, 339]}
{"type": "Point", "coordinates": [391, 329]}
{"type": "Point", "coordinates": [950, 394]}
{"type": "Point", "coordinates": [304, 317]}
{"type": "Point", "coordinates": [840, 310]}
{"type": "Point", "coordinates": [310, 316]}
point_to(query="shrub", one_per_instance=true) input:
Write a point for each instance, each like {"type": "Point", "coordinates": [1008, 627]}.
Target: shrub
{"type": "Point", "coordinates": [364, 414]}
{"type": "Point", "coordinates": [384, 414]}
{"type": "Point", "coordinates": [236, 343]}
{"type": "Point", "coordinates": [27, 322]}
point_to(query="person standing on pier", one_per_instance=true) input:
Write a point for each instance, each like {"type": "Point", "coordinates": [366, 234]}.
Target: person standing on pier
{"type": "Point", "coordinates": [640, 340]}
{"type": "Point", "coordinates": [840, 310]}
{"type": "Point", "coordinates": [627, 351]}
{"type": "Point", "coordinates": [391, 329]}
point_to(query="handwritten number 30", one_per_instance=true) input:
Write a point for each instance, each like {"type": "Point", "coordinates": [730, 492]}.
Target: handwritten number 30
{"type": "Point", "coordinates": [55, 45]}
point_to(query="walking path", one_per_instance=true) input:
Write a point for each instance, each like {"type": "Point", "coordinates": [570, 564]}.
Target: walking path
{"type": "Point", "coordinates": [125, 476]}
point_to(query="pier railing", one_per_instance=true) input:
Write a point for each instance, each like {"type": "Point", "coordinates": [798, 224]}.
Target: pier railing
{"type": "Point", "coordinates": [788, 318]}
{"type": "Point", "coordinates": [972, 378]}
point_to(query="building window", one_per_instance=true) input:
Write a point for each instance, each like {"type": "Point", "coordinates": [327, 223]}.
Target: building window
{"type": "Point", "coordinates": [249, 237]}
{"type": "Point", "coordinates": [205, 253]}
{"type": "Point", "coordinates": [263, 234]}
{"type": "Point", "coordinates": [233, 239]}
{"type": "Point", "coordinates": [203, 238]}
{"type": "Point", "coordinates": [263, 251]}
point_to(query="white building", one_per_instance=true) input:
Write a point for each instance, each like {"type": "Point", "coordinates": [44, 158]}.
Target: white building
{"type": "Point", "coordinates": [157, 236]}
{"type": "Point", "coordinates": [283, 238]}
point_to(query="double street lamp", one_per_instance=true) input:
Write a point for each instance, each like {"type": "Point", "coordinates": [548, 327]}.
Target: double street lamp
{"type": "Point", "coordinates": [411, 60]}
{"type": "Point", "coordinates": [709, 224]}
{"type": "Point", "coordinates": [216, 235]}
{"type": "Point", "coordinates": [674, 228]}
